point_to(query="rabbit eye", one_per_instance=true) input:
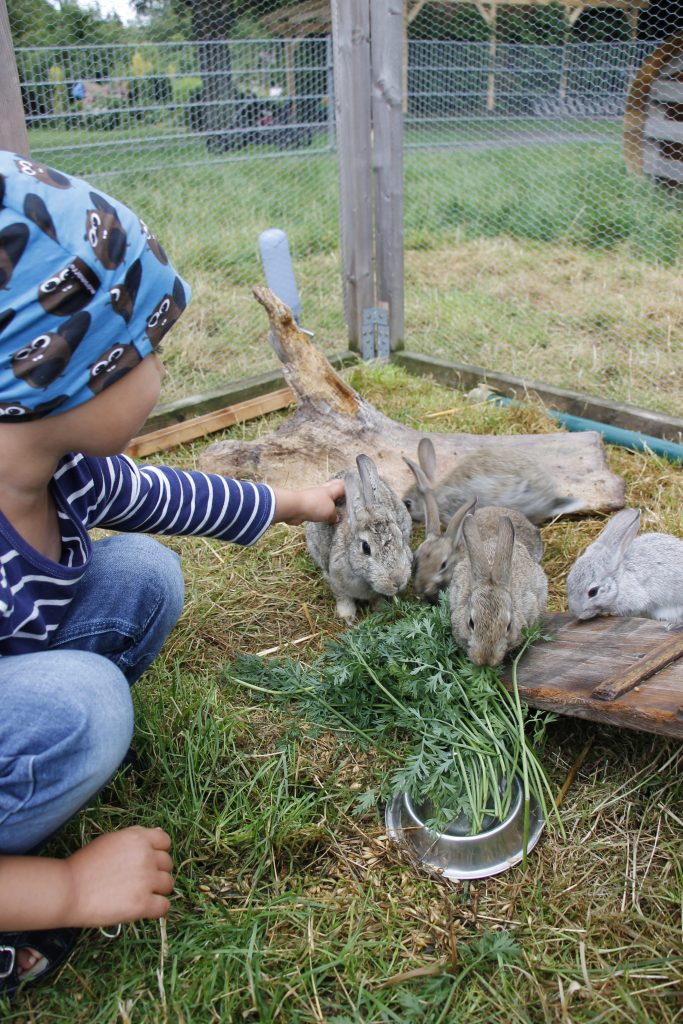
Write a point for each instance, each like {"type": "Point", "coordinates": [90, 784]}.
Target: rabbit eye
{"type": "Point", "coordinates": [408, 503]}
{"type": "Point", "coordinates": [471, 623]}
{"type": "Point", "coordinates": [509, 626]}
{"type": "Point", "coordinates": [593, 591]}
{"type": "Point", "coordinates": [444, 565]}
{"type": "Point", "coordinates": [366, 547]}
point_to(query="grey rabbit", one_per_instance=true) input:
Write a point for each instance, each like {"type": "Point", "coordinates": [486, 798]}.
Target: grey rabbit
{"type": "Point", "coordinates": [366, 554]}
{"type": "Point", "coordinates": [502, 477]}
{"type": "Point", "coordinates": [435, 557]}
{"type": "Point", "coordinates": [621, 573]}
{"type": "Point", "coordinates": [495, 591]}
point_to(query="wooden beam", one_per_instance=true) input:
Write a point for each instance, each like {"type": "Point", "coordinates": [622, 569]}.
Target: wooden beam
{"type": "Point", "coordinates": [200, 426]}
{"type": "Point", "coordinates": [464, 376]}
{"type": "Point", "coordinates": [641, 670]}
{"type": "Point", "coordinates": [352, 87]}
{"type": "Point", "coordinates": [386, 33]}
{"type": "Point", "coordinates": [13, 133]}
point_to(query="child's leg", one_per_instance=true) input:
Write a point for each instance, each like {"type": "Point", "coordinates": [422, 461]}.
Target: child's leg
{"type": "Point", "coordinates": [66, 725]}
{"type": "Point", "coordinates": [127, 603]}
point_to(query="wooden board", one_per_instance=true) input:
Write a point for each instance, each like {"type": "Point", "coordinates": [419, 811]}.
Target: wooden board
{"type": "Point", "coordinates": [563, 675]}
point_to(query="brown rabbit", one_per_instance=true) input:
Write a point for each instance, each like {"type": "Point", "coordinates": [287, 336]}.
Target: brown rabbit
{"type": "Point", "coordinates": [437, 554]}
{"type": "Point", "coordinates": [495, 591]}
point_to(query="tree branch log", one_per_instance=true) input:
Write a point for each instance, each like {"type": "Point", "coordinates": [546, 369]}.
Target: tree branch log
{"type": "Point", "coordinates": [333, 424]}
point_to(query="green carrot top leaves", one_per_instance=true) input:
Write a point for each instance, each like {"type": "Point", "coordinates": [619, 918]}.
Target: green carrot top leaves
{"type": "Point", "coordinates": [448, 730]}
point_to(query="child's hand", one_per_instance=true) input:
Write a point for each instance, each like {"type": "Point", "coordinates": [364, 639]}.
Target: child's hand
{"type": "Point", "coordinates": [313, 504]}
{"type": "Point", "coordinates": [121, 876]}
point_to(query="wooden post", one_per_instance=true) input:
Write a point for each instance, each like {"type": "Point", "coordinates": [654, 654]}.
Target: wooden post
{"type": "Point", "coordinates": [351, 40]}
{"type": "Point", "coordinates": [386, 34]}
{"type": "Point", "coordinates": [13, 134]}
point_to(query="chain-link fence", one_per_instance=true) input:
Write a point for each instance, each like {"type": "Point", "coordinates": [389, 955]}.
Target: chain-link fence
{"type": "Point", "coordinates": [543, 169]}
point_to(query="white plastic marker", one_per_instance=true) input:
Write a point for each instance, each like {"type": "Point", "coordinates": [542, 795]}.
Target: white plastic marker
{"type": "Point", "coordinates": [277, 265]}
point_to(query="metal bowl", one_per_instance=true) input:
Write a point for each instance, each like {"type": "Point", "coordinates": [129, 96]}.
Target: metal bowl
{"type": "Point", "coordinates": [453, 852]}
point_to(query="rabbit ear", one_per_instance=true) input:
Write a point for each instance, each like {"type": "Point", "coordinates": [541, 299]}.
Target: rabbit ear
{"type": "Point", "coordinates": [502, 560]}
{"type": "Point", "coordinates": [353, 495]}
{"type": "Point", "coordinates": [427, 458]}
{"type": "Point", "coordinates": [479, 563]}
{"type": "Point", "coordinates": [432, 518]}
{"type": "Point", "coordinates": [619, 533]}
{"type": "Point", "coordinates": [369, 479]}
{"type": "Point", "coordinates": [455, 525]}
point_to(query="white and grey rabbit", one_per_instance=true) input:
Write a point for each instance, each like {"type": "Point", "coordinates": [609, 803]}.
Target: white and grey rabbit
{"type": "Point", "coordinates": [496, 590]}
{"type": "Point", "coordinates": [437, 554]}
{"type": "Point", "coordinates": [502, 477]}
{"type": "Point", "coordinates": [621, 573]}
{"type": "Point", "coordinates": [366, 554]}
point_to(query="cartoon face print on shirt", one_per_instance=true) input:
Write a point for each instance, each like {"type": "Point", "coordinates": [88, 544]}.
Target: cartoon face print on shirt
{"type": "Point", "coordinates": [13, 241]}
{"type": "Point", "coordinates": [111, 366]}
{"type": "Point", "coordinates": [6, 318]}
{"type": "Point", "coordinates": [166, 313]}
{"type": "Point", "coordinates": [104, 231]}
{"type": "Point", "coordinates": [69, 289]}
{"type": "Point", "coordinates": [46, 357]}
{"type": "Point", "coordinates": [36, 211]}
{"type": "Point", "coordinates": [154, 244]}
{"type": "Point", "coordinates": [41, 172]}
{"type": "Point", "coordinates": [123, 295]}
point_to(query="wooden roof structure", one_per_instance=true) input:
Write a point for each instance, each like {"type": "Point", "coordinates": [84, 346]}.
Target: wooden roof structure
{"type": "Point", "coordinates": [314, 17]}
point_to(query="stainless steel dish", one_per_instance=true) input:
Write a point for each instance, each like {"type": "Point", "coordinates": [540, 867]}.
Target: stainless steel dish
{"type": "Point", "coordinates": [453, 852]}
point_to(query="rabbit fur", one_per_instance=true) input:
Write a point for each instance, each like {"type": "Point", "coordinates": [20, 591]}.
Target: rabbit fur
{"type": "Point", "coordinates": [435, 557]}
{"type": "Point", "coordinates": [503, 477]}
{"type": "Point", "coordinates": [366, 554]}
{"type": "Point", "coordinates": [621, 573]}
{"type": "Point", "coordinates": [496, 590]}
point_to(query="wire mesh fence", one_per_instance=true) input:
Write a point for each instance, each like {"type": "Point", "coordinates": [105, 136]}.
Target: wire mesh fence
{"type": "Point", "coordinates": [543, 173]}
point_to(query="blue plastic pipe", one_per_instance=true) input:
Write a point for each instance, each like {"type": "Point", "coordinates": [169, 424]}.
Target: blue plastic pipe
{"type": "Point", "coordinates": [612, 435]}
{"type": "Point", "coordinates": [278, 268]}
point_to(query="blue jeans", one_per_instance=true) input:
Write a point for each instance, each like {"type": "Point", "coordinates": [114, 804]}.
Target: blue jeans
{"type": "Point", "coordinates": [66, 714]}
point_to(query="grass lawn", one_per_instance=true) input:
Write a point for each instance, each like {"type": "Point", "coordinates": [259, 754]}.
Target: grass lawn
{"type": "Point", "coordinates": [550, 262]}
{"type": "Point", "coordinates": [289, 906]}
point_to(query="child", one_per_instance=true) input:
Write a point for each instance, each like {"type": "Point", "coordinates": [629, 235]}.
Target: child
{"type": "Point", "coordinates": [87, 295]}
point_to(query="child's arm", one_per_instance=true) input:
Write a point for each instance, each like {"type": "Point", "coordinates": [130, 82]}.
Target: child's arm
{"type": "Point", "coordinates": [118, 877]}
{"type": "Point", "coordinates": [313, 504]}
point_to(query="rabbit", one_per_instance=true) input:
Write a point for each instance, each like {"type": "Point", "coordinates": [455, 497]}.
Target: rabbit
{"type": "Point", "coordinates": [434, 559]}
{"type": "Point", "coordinates": [496, 590]}
{"type": "Point", "coordinates": [623, 574]}
{"type": "Point", "coordinates": [366, 554]}
{"type": "Point", "coordinates": [503, 477]}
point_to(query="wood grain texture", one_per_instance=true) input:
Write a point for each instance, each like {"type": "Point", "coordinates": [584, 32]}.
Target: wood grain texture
{"type": "Point", "coordinates": [562, 675]}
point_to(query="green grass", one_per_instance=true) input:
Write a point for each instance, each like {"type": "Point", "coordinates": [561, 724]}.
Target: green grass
{"type": "Point", "coordinates": [551, 263]}
{"type": "Point", "coordinates": [291, 907]}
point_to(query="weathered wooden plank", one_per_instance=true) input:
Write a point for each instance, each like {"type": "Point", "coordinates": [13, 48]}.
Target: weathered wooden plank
{"type": "Point", "coordinates": [562, 675]}
{"type": "Point", "coordinates": [200, 426]}
{"type": "Point", "coordinates": [464, 376]}
{"type": "Point", "coordinates": [13, 134]}
{"type": "Point", "coordinates": [663, 128]}
{"type": "Point", "coordinates": [352, 84]}
{"type": "Point", "coordinates": [661, 167]}
{"type": "Point", "coordinates": [386, 33]}
{"type": "Point", "coordinates": [670, 650]}
{"type": "Point", "coordinates": [667, 90]}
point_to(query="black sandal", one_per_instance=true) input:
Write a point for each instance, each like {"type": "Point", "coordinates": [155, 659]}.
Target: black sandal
{"type": "Point", "coordinates": [53, 946]}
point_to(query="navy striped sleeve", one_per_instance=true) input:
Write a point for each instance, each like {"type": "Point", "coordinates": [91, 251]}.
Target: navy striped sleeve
{"type": "Point", "coordinates": [136, 498]}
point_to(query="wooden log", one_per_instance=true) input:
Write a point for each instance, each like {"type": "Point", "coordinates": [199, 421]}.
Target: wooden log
{"type": "Point", "coordinates": [333, 424]}
{"type": "Point", "coordinates": [210, 423]}
{"type": "Point", "coordinates": [13, 134]}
